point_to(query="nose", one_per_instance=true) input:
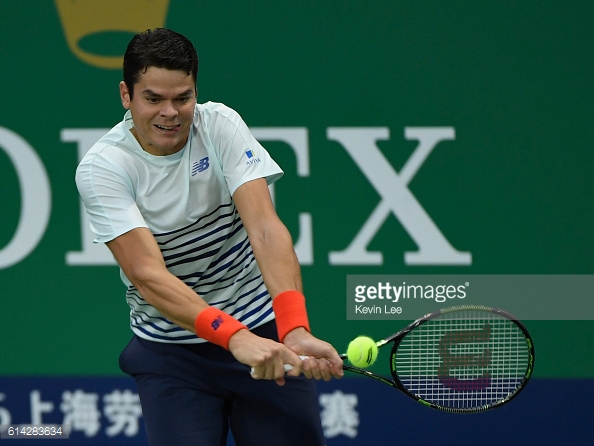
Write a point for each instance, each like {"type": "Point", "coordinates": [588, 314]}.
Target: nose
{"type": "Point", "coordinates": [168, 109]}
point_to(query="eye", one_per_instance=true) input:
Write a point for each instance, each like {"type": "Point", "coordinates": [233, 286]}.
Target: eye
{"type": "Point", "coordinates": [183, 100]}
{"type": "Point", "coordinates": [153, 100]}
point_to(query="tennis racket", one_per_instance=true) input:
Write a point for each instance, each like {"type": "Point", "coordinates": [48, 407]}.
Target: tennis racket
{"type": "Point", "coordinates": [462, 359]}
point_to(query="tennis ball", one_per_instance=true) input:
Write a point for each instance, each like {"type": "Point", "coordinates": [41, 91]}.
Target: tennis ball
{"type": "Point", "coordinates": [362, 351]}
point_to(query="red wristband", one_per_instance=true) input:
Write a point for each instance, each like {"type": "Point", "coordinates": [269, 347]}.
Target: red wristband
{"type": "Point", "coordinates": [216, 326]}
{"type": "Point", "coordinates": [289, 308]}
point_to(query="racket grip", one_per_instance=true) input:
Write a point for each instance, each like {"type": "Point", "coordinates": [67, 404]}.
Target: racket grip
{"type": "Point", "coordinates": [288, 367]}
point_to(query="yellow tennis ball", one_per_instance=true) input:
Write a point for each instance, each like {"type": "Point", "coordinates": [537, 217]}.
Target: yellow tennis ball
{"type": "Point", "coordinates": [362, 351]}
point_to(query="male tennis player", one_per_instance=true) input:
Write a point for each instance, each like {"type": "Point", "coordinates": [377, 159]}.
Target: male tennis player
{"type": "Point", "coordinates": [179, 193]}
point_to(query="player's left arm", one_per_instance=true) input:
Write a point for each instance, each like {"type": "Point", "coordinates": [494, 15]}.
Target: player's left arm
{"type": "Point", "coordinates": [273, 248]}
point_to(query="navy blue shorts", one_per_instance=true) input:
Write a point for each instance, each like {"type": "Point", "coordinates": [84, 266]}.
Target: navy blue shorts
{"type": "Point", "coordinates": [192, 394]}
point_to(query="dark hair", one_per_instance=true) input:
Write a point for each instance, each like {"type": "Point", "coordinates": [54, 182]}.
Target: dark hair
{"type": "Point", "coordinates": [161, 48]}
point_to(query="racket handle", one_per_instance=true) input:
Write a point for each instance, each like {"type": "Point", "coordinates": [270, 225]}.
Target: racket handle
{"type": "Point", "coordinates": [288, 367]}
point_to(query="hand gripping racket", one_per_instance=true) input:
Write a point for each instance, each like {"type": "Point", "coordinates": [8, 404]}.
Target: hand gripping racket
{"type": "Point", "coordinates": [462, 359]}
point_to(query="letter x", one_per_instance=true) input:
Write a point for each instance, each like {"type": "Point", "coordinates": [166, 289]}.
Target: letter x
{"type": "Point", "coordinates": [434, 249]}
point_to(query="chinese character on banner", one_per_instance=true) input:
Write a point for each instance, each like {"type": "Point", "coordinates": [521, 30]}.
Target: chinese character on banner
{"type": "Point", "coordinates": [339, 414]}
{"type": "Point", "coordinates": [80, 412]}
{"type": "Point", "coordinates": [123, 410]}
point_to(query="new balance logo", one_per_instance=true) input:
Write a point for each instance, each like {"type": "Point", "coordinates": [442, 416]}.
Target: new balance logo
{"type": "Point", "coordinates": [200, 166]}
{"type": "Point", "coordinates": [217, 323]}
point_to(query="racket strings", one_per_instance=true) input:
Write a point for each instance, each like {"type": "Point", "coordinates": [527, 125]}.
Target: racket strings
{"type": "Point", "coordinates": [463, 360]}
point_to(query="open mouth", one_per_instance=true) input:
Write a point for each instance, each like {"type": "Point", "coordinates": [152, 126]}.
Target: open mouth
{"type": "Point", "coordinates": [168, 128]}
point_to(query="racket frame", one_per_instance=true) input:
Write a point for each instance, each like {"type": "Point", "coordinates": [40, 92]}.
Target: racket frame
{"type": "Point", "coordinates": [397, 338]}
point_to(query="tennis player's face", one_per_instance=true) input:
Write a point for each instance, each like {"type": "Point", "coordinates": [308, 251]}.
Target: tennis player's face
{"type": "Point", "coordinates": [162, 109]}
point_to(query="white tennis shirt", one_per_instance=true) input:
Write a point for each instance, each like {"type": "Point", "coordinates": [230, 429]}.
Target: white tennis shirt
{"type": "Point", "coordinates": [185, 201]}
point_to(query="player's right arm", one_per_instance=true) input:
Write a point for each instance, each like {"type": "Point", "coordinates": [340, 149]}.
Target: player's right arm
{"type": "Point", "coordinates": [139, 256]}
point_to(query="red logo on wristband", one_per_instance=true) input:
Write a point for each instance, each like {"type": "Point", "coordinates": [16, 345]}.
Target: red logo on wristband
{"type": "Point", "coordinates": [217, 323]}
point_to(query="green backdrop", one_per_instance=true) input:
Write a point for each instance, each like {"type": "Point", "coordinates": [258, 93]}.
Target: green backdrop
{"type": "Point", "coordinates": [512, 188]}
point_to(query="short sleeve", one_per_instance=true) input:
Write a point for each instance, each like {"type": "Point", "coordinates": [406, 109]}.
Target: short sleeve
{"type": "Point", "coordinates": [241, 156]}
{"type": "Point", "coordinates": [106, 191]}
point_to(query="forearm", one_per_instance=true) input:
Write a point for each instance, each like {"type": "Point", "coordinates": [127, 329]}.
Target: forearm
{"type": "Point", "coordinates": [274, 252]}
{"type": "Point", "coordinates": [171, 297]}
{"type": "Point", "coordinates": [141, 260]}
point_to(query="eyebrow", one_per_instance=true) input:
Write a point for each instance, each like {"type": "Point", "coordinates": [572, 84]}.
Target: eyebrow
{"type": "Point", "coordinates": [151, 93]}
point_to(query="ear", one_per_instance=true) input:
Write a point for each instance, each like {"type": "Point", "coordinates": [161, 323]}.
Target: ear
{"type": "Point", "coordinates": [125, 95]}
